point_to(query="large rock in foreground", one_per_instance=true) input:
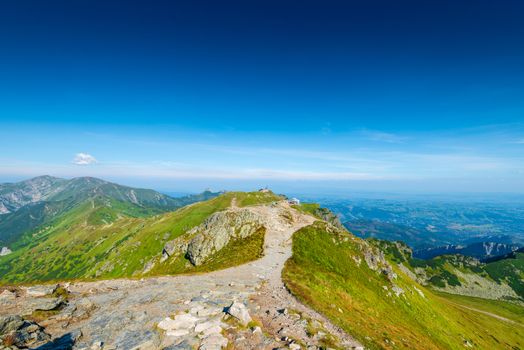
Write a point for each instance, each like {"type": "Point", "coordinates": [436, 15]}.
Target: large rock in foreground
{"type": "Point", "coordinates": [218, 230]}
{"type": "Point", "coordinates": [239, 311]}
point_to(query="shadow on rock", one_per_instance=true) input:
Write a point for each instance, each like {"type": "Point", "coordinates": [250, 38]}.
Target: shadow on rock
{"type": "Point", "coordinates": [65, 342]}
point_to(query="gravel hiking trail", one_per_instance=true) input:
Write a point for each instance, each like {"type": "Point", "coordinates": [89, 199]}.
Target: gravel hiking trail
{"type": "Point", "coordinates": [129, 314]}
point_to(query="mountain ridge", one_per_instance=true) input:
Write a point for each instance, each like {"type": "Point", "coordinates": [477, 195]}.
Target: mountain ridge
{"type": "Point", "coordinates": [38, 201]}
{"type": "Point", "coordinates": [479, 250]}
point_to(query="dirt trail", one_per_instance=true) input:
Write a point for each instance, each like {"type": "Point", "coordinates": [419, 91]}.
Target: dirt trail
{"type": "Point", "coordinates": [123, 313]}
{"type": "Point", "coordinates": [487, 313]}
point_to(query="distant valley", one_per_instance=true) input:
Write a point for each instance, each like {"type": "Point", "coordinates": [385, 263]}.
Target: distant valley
{"type": "Point", "coordinates": [433, 227]}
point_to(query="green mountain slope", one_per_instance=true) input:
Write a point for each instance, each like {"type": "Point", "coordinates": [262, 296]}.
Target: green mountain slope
{"type": "Point", "coordinates": [500, 278]}
{"type": "Point", "coordinates": [102, 239]}
{"type": "Point", "coordinates": [44, 199]}
{"type": "Point", "coordinates": [362, 290]}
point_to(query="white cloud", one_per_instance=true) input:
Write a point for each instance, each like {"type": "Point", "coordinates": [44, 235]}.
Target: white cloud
{"type": "Point", "coordinates": [84, 159]}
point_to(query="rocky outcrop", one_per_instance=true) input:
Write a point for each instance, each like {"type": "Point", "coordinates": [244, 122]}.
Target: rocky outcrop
{"type": "Point", "coordinates": [5, 251]}
{"type": "Point", "coordinates": [330, 217]}
{"type": "Point", "coordinates": [376, 261]}
{"type": "Point", "coordinates": [218, 230]}
{"type": "Point", "coordinates": [202, 241]}
{"type": "Point", "coordinates": [175, 247]}
{"type": "Point", "coordinates": [14, 330]}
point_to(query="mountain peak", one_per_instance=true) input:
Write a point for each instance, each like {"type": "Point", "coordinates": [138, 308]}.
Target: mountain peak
{"type": "Point", "coordinates": [43, 179]}
{"type": "Point", "coordinates": [88, 180]}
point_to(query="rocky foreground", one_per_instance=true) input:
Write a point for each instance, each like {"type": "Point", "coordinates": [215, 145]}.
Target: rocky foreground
{"type": "Point", "coordinates": [244, 307]}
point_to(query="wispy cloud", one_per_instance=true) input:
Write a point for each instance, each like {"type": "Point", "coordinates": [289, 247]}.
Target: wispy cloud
{"type": "Point", "coordinates": [380, 136]}
{"type": "Point", "coordinates": [179, 171]}
{"type": "Point", "coordinates": [84, 159]}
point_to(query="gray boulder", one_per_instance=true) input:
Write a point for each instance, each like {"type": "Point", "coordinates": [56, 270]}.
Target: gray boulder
{"type": "Point", "coordinates": [22, 333]}
{"type": "Point", "coordinates": [42, 304]}
{"type": "Point", "coordinates": [239, 311]}
{"type": "Point", "coordinates": [10, 323]}
{"type": "Point", "coordinates": [218, 230]}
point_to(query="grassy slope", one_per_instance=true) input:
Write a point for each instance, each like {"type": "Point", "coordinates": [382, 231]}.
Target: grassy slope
{"type": "Point", "coordinates": [103, 236]}
{"type": "Point", "coordinates": [501, 308]}
{"type": "Point", "coordinates": [323, 273]}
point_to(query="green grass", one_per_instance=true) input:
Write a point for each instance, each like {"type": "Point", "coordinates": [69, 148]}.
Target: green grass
{"type": "Point", "coordinates": [308, 208]}
{"type": "Point", "coordinates": [501, 308]}
{"type": "Point", "coordinates": [323, 273]}
{"type": "Point", "coordinates": [236, 252]}
{"type": "Point", "coordinates": [100, 240]}
{"type": "Point", "coordinates": [244, 199]}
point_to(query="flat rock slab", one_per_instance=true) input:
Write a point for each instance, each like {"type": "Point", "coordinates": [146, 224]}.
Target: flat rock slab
{"type": "Point", "coordinates": [42, 304]}
{"type": "Point", "coordinates": [40, 291]}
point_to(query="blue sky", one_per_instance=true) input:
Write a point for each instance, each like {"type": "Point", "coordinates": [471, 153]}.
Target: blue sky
{"type": "Point", "coordinates": [302, 96]}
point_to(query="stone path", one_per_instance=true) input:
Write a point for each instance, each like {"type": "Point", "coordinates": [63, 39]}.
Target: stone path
{"type": "Point", "coordinates": [187, 312]}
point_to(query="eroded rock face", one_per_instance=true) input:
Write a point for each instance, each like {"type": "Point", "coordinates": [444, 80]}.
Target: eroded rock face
{"type": "Point", "coordinates": [218, 230]}
{"type": "Point", "coordinates": [376, 261]}
{"type": "Point", "coordinates": [374, 258]}
{"type": "Point", "coordinates": [21, 333]}
{"type": "Point", "coordinates": [175, 247]}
